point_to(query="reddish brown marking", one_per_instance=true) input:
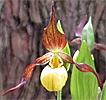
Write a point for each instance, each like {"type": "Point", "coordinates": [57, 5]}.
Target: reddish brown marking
{"type": "Point", "coordinates": [52, 38]}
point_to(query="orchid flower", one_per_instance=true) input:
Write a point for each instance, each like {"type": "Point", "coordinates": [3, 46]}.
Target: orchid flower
{"type": "Point", "coordinates": [54, 75]}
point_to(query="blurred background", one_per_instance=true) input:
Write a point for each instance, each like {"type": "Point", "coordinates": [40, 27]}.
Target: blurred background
{"type": "Point", "coordinates": [21, 28]}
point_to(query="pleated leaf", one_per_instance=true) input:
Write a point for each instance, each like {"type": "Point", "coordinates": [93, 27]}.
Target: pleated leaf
{"type": "Point", "coordinates": [84, 86]}
{"type": "Point", "coordinates": [66, 49]}
{"type": "Point", "coordinates": [88, 34]}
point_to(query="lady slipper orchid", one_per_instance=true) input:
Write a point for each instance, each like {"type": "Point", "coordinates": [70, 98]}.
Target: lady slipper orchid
{"type": "Point", "coordinates": [54, 75]}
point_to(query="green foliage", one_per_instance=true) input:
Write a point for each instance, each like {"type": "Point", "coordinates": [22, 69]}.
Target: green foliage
{"type": "Point", "coordinates": [66, 49]}
{"type": "Point", "coordinates": [88, 34]}
{"type": "Point", "coordinates": [59, 27]}
{"type": "Point", "coordinates": [103, 96]}
{"type": "Point", "coordinates": [84, 86]}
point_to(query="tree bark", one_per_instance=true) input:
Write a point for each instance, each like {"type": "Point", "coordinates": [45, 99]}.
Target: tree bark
{"type": "Point", "coordinates": [22, 23]}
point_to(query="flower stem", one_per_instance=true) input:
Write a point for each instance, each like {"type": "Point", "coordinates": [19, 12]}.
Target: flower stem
{"type": "Point", "coordinates": [59, 95]}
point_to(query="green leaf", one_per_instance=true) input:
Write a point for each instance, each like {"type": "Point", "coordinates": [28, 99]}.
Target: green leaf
{"type": "Point", "coordinates": [103, 96]}
{"type": "Point", "coordinates": [59, 27]}
{"type": "Point", "coordinates": [84, 86]}
{"type": "Point", "coordinates": [88, 34]}
{"type": "Point", "coordinates": [66, 49]}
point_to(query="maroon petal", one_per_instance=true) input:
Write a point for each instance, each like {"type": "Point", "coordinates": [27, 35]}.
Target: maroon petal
{"type": "Point", "coordinates": [76, 41]}
{"type": "Point", "coordinates": [66, 58]}
{"type": "Point", "coordinates": [16, 87]}
{"type": "Point", "coordinates": [100, 46]}
{"type": "Point", "coordinates": [44, 59]}
{"type": "Point", "coordinates": [26, 77]}
{"type": "Point", "coordinates": [39, 61]}
{"type": "Point", "coordinates": [28, 71]}
{"type": "Point", "coordinates": [81, 66]}
{"type": "Point", "coordinates": [86, 68]}
{"type": "Point", "coordinates": [80, 27]}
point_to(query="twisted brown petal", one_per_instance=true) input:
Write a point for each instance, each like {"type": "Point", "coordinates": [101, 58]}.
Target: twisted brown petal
{"type": "Point", "coordinates": [86, 68]}
{"type": "Point", "coordinates": [76, 41]}
{"type": "Point", "coordinates": [16, 87]}
{"type": "Point", "coordinates": [53, 40]}
{"type": "Point", "coordinates": [81, 66]}
{"type": "Point", "coordinates": [66, 58]}
{"type": "Point", "coordinates": [28, 71]}
{"type": "Point", "coordinates": [44, 59]}
{"type": "Point", "coordinates": [26, 77]}
{"type": "Point", "coordinates": [100, 46]}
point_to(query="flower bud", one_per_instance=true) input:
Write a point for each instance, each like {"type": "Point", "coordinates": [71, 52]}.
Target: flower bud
{"type": "Point", "coordinates": [53, 79]}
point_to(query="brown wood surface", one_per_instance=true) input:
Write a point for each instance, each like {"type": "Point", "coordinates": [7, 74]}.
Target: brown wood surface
{"type": "Point", "coordinates": [21, 29]}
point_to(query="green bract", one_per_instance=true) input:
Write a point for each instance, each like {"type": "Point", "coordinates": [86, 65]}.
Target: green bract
{"type": "Point", "coordinates": [66, 49]}
{"type": "Point", "coordinates": [88, 34]}
{"type": "Point", "coordinates": [84, 86]}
